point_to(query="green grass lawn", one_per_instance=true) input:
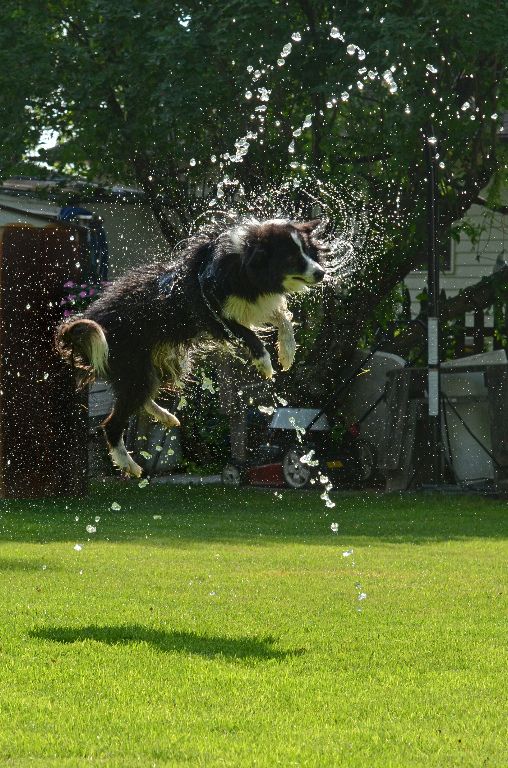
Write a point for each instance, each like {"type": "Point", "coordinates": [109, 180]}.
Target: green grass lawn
{"type": "Point", "coordinates": [220, 627]}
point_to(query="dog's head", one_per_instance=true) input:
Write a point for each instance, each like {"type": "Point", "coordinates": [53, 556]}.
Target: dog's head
{"type": "Point", "coordinates": [281, 256]}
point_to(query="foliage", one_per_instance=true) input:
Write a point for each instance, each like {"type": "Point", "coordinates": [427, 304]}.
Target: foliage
{"type": "Point", "coordinates": [205, 429]}
{"type": "Point", "coordinates": [159, 94]}
{"type": "Point", "coordinates": [80, 296]}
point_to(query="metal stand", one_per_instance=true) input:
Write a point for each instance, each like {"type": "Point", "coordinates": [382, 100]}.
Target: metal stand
{"type": "Point", "coordinates": [433, 358]}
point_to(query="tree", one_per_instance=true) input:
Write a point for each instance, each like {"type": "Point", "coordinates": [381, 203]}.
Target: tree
{"type": "Point", "coordinates": [158, 93]}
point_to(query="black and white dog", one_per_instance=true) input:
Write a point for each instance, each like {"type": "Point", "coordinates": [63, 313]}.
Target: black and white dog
{"type": "Point", "coordinates": [138, 333]}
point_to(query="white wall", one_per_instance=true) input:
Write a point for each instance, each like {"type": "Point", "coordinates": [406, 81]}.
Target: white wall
{"type": "Point", "coordinates": [469, 262]}
{"type": "Point", "coordinates": [133, 235]}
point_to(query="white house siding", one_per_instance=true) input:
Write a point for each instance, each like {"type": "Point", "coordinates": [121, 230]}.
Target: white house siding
{"type": "Point", "coordinates": [469, 262]}
{"type": "Point", "coordinates": [44, 213]}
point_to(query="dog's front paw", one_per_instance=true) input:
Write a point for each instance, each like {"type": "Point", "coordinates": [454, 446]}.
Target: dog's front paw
{"type": "Point", "coordinates": [264, 365]}
{"type": "Point", "coordinates": [287, 351]}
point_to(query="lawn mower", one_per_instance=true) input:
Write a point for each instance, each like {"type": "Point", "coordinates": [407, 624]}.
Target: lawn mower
{"type": "Point", "coordinates": [299, 445]}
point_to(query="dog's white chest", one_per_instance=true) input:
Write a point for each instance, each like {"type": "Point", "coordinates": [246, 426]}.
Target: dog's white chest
{"type": "Point", "coordinates": [253, 313]}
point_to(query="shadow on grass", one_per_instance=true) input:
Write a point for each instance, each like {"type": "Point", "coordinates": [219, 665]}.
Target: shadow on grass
{"type": "Point", "coordinates": [169, 642]}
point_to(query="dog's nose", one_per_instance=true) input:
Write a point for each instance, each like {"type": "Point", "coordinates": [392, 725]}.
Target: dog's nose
{"type": "Point", "coordinates": [318, 274]}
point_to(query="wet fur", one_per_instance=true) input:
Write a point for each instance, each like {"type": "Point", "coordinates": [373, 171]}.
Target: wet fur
{"type": "Point", "coordinates": [139, 333]}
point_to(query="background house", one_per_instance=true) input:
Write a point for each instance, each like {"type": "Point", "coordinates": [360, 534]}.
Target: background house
{"type": "Point", "coordinates": [133, 234]}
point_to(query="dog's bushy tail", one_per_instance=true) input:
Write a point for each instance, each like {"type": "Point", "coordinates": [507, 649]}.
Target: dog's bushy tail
{"type": "Point", "coordinates": [82, 344]}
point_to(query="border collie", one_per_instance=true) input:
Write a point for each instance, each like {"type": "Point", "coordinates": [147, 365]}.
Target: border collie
{"type": "Point", "coordinates": [138, 333]}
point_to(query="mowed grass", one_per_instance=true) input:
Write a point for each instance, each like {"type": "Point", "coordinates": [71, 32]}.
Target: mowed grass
{"type": "Point", "coordinates": [220, 627]}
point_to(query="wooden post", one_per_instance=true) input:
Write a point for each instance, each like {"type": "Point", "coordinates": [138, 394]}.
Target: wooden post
{"type": "Point", "coordinates": [43, 424]}
{"type": "Point", "coordinates": [460, 336]}
{"type": "Point", "coordinates": [498, 325]}
{"type": "Point", "coordinates": [478, 331]}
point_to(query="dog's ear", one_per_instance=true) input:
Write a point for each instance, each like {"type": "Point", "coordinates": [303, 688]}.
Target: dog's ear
{"type": "Point", "coordinates": [308, 226]}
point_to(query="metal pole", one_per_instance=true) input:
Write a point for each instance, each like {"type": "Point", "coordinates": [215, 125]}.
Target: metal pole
{"type": "Point", "coordinates": [433, 360]}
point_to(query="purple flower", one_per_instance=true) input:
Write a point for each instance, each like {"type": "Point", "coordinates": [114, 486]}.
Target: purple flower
{"type": "Point", "coordinates": [69, 284]}
{"type": "Point", "coordinates": [67, 313]}
{"type": "Point", "coordinates": [71, 297]}
{"type": "Point", "coordinates": [83, 295]}
{"type": "Point", "coordinates": [91, 291]}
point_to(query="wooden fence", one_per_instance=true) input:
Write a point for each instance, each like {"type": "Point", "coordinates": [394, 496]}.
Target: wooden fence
{"type": "Point", "coordinates": [472, 333]}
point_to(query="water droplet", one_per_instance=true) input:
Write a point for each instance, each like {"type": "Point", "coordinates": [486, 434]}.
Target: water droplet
{"type": "Point", "coordinates": [351, 49]}
{"type": "Point", "coordinates": [291, 148]}
{"type": "Point", "coordinates": [347, 553]}
{"type": "Point", "coordinates": [248, 95]}
{"type": "Point", "coordinates": [296, 36]}
{"type": "Point", "coordinates": [307, 122]}
{"type": "Point", "coordinates": [286, 50]}
{"type": "Point", "coordinates": [344, 96]}
{"type": "Point", "coordinates": [192, 162]}
{"type": "Point", "coordinates": [91, 529]}
{"type": "Point", "coordinates": [78, 547]}
{"type": "Point", "coordinates": [143, 483]}
{"type": "Point", "coordinates": [407, 109]}
{"type": "Point", "coordinates": [281, 62]}
{"type": "Point", "coordinates": [361, 54]}
{"type": "Point", "coordinates": [465, 106]}
{"type": "Point", "coordinates": [336, 34]}
{"type": "Point", "coordinates": [334, 527]}
{"type": "Point", "coordinates": [116, 506]}
{"type": "Point", "coordinates": [431, 68]}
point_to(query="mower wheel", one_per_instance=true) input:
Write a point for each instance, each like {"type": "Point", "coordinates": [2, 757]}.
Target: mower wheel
{"type": "Point", "coordinates": [296, 474]}
{"type": "Point", "coordinates": [231, 475]}
{"type": "Point", "coordinates": [367, 464]}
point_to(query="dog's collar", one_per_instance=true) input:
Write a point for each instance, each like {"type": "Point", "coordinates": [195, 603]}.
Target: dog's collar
{"type": "Point", "coordinates": [206, 279]}
{"type": "Point", "coordinates": [167, 282]}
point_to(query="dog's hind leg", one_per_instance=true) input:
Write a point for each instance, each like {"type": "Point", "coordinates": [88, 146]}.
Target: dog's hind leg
{"type": "Point", "coordinates": [133, 385]}
{"type": "Point", "coordinates": [114, 427]}
{"type": "Point", "coordinates": [166, 418]}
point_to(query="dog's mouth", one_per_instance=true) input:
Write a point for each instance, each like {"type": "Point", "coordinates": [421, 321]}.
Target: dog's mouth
{"type": "Point", "coordinates": [301, 279]}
